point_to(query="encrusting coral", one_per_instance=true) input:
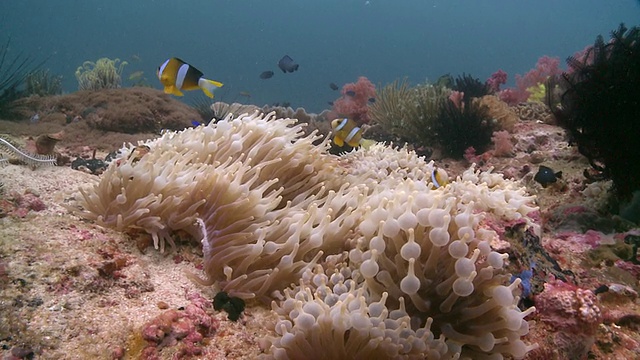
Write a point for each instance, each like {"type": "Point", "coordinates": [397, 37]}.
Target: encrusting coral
{"type": "Point", "coordinates": [385, 263]}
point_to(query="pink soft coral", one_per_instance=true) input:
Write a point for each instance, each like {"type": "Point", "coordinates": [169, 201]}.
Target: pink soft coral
{"type": "Point", "coordinates": [545, 67]}
{"type": "Point", "coordinates": [497, 78]}
{"type": "Point", "coordinates": [355, 100]}
{"type": "Point", "coordinates": [502, 144]}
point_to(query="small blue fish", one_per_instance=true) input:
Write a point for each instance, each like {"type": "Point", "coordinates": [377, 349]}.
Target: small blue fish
{"type": "Point", "coordinates": [195, 123]}
{"type": "Point", "coordinates": [350, 93]}
{"type": "Point", "coordinates": [372, 100]}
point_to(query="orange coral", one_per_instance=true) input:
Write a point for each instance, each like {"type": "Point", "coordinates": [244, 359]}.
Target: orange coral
{"type": "Point", "coordinates": [500, 111]}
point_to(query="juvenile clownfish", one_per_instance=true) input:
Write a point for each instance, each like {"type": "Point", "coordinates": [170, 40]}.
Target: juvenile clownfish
{"type": "Point", "coordinates": [346, 131]}
{"type": "Point", "coordinates": [177, 75]}
{"type": "Point", "coordinates": [439, 177]}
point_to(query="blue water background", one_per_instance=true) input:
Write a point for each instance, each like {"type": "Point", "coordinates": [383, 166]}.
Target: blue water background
{"type": "Point", "coordinates": [233, 41]}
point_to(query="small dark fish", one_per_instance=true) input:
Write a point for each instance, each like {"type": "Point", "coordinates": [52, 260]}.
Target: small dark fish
{"type": "Point", "coordinates": [350, 93]}
{"type": "Point", "coordinates": [372, 100]}
{"type": "Point", "coordinates": [232, 305]}
{"type": "Point", "coordinates": [546, 176]}
{"type": "Point", "coordinates": [333, 86]}
{"type": "Point", "coordinates": [330, 103]}
{"type": "Point", "coordinates": [266, 75]}
{"type": "Point", "coordinates": [286, 64]}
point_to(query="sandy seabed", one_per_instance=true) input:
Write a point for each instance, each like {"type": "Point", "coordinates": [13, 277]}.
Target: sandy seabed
{"type": "Point", "coordinates": [60, 300]}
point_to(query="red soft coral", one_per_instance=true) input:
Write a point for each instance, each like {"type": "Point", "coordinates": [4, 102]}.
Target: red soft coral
{"type": "Point", "coordinates": [355, 100]}
{"type": "Point", "coordinates": [545, 67]}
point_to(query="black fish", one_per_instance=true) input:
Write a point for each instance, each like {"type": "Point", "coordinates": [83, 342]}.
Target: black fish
{"type": "Point", "coordinates": [330, 103]}
{"type": "Point", "coordinates": [232, 305]}
{"type": "Point", "coordinates": [350, 93]}
{"type": "Point", "coordinates": [333, 86]}
{"type": "Point", "coordinates": [286, 64]}
{"type": "Point", "coordinates": [546, 176]}
{"type": "Point", "coordinates": [372, 100]}
{"type": "Point", "coordinates": [266, 74]}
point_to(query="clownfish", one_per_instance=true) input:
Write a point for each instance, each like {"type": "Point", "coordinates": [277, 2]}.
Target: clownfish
{"type": "Point", "coordinates": [177, 75]}
{"type": "Point", "coordinates": [439, 177]}
{"type": "Point", "coordinates": [346, 131]}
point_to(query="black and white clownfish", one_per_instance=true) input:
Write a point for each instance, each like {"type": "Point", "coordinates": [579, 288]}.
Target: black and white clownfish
{"type": "Point", "coordinates": [439, 177]}
{"type": "Point", "coordinates": [177, 75]}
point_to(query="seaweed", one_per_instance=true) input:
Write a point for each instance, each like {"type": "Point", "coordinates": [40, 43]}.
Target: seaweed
{"type": "Point", "coordinates": [33, 160]}
{"type": "Point", "coordinates": [13, 72]}
{"type": "Point", "coordinates": [43, 83]}
{"type": "Point", "coordinates": [599, 107]}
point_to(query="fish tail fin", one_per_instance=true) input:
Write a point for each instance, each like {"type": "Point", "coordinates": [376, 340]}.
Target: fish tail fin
{"type": "Point", "coordinates": [208, 86]}
{"type": "Point", "coordinates": [367, 143]}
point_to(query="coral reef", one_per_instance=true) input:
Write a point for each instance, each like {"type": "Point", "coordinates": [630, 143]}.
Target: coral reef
{"type": "Point", "coordinates": [186, 329]}
{"type": "Point", "coordinates": [355, 100]}
{"type": "Point", "coordinates": [470, 87]}
{"type": "Point", "coordinates": [574, 312]}
{"type": "Point", "coordinates": [407, 113]}
{"type": "Point", "coordinates": [505, 117]}
{"type": "Point", "coordinates": [495, 80]}
{"type": "Point", "coordinates": [102, 74]}
{"type": "Point", "coordinates": [125, 110]}
{"type": "Point", "coordinates": [458, 128]}
{"type": "Point", "coordinates": [599, 108]}
{"type": "Point", "coordinates": [546, 67]}
{"type": "Point", "coordinates": [534, 111]}
{"type": "Point", "coordinates": [42, 83]}
{"type": "Point", "coordinates": [382, 259]}
{"type": "Point", "coordinates": [502, 143]}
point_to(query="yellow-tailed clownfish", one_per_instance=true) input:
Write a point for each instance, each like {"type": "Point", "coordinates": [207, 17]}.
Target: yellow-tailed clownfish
{"type": "Point", "coordinates": [177, 75]}
{"type": "Point", "coordinates": [439, 177]}
{"type": "Point", "coordinates": [346, 131]}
